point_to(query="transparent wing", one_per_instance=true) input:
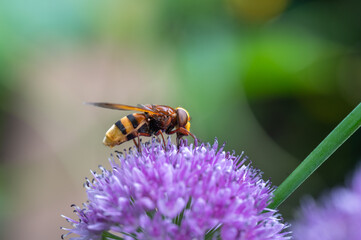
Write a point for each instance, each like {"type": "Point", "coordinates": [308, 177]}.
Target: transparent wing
{"type": "Point", "coordinates": [140, 108]}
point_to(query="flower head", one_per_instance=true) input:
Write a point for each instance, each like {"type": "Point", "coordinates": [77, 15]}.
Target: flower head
{"type": "Point", "coordinates": [336, 216]}
{"type": "Point", "coordinates": [178, 194]}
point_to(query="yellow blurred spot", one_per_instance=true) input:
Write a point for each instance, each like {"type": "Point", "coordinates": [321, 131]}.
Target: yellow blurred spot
{"type": "Point", "coordinates": [257, 10]}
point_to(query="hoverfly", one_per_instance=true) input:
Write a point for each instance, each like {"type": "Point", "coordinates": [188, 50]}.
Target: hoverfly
{"type": "Point", "coordinates": [152, 120]}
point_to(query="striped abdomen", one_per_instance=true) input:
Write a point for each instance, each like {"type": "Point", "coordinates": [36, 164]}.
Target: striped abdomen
{"type": "Point", "coordinates": [126, 129]}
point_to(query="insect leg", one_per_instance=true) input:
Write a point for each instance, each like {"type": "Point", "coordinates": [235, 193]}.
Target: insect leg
{"type": "Point", "coordinates": [144, 134]}
{"type": "Point", "coordinates": [178, 141]}
{"type": "Point", "coordinates": [137, 145]}
{"type": "Point", "coordinates": [161, 133]}
{"type": "Point", "coordinates": [182, 132]}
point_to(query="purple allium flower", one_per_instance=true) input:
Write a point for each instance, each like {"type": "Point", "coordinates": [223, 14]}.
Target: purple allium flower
{"type": "Point", "coordinates": [336, 217]}
{"type": "Point", "coordinates": [185, 194]}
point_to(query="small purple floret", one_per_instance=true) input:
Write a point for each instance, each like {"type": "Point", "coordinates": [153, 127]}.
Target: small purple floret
{"type": "Point", "coordinates": [171, 194]}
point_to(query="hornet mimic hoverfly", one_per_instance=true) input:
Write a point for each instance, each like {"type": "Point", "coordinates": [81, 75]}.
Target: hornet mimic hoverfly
{"type": "Point", "coordinates": [152, 120]}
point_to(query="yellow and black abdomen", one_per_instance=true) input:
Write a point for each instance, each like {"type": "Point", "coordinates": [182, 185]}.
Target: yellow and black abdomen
{"type": "Point", "coordinates": [126, 129]}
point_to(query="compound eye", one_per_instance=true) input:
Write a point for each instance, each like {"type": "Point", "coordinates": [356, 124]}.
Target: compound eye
{"type": "Point", "coordinates": [182, 117]}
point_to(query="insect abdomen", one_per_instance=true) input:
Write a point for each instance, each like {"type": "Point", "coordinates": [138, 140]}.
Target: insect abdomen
{"type": "Point", "coordinates": [126, 129]}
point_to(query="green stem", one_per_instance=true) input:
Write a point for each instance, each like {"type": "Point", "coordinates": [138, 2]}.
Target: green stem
{"type": "Point", "coordinates": [320, 154]}
{"type": "Point", "coordinates": [108, 235]}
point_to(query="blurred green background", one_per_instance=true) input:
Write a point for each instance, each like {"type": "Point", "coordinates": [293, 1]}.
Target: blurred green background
{"type": "Point", "coordinates": [271, 78]}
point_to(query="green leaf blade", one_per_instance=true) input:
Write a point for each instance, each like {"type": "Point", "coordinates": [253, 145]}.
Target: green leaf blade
{"type": "Point", "coordinates": [318, 156]}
